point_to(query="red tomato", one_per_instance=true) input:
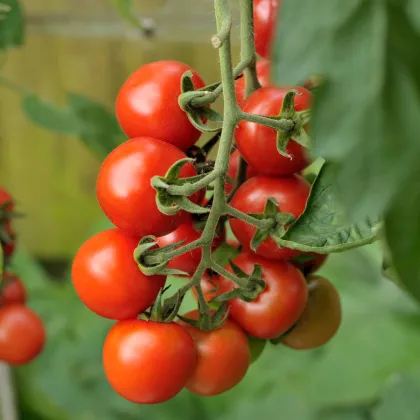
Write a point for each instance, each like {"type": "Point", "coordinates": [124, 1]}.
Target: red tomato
{"type": "Point", "coordinates": [14, 291]}
{"type": "Point", "coordinates": [265, 14]}
{"type": "Point", "coordinates": [233, 170]}
{"type": "Point", "coordinates": [108, 280]}
{"type": "Point", "coordinates": [257, 143]}
{"type": "Point", "coordinates": [263, 74]}
{"type": "Point", "coordinates": [311, 265]}
{"type": "Point", "coordinates": [147, 104]}
{"type": "Point", "coordinates": [223, 358]}
{"type": "Point", "coordinates": [291, 194]}
{"type": "Point", "coordinates": [320, 319]}
{"type": "Point", "coordinates": [189, 261]}
{"type": "Point", "coordinates": [148, 362]}
{"type": "Point", "coordinates": [9, 247]}
{"type": "Point", "coordinates": [278, 306]}
{"type": "Point", "coordinates": [22, 334]}
{"type": "Point", "coordinates": [5, 197]}
{"type": "Point", "coordinates": [124, 188]}
{"type": "Point", "coordinates": [209, 286]}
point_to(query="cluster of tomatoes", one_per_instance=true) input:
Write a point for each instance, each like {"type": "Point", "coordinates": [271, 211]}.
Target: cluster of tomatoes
{"type": "Point", "coordinates": [147, 361]}
{"type": "Point", "coordinates": [22, 333]}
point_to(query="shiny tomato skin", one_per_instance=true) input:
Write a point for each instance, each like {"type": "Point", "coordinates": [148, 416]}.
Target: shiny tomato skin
{"type": "Point", "coordinates": [265, 14]}
{"type": "Point", "coordinates": [108, 280]}
{"type": "Point", "coordinates": [189, 261]}
{"type": "Point", "coordinates": [14, 292]}
{"type": "Point", "coordinates": [278, 306]}
{"type": "Point", "coordinates": [291, 194]}
{"type": "Point", "coordinates": [223, 358]}
{"type": "Point", "coordinates": [257, 143]}
{"type": "Point", "coordinates": [321, 318]}
{"type": "Point", "coordinates": [263, 74]}
{"type": "Point", "coordinates": [147, 104]}
{"type": "Point", "coordinates": [124, 188]}
{"type": "Point", "coordinates": [148, 362]}
{"type": "Point", "coordinates": [22, 334]}
{"type": "Point", "coordinates": [233, 171]}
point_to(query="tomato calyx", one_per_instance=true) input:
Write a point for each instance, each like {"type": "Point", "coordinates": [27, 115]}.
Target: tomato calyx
{"type": "Point", "coordinates": [165, 310]}
{"type": "Point", "coordinates": [279, 221]}
{"type": "Point", "coordinates": [171, 200]}
{"type": "Point", "coordinates": [209, 320]}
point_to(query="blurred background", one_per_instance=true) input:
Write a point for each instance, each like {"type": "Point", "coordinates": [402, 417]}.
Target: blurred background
{"type": "Point", "coordinates": [75, 56]}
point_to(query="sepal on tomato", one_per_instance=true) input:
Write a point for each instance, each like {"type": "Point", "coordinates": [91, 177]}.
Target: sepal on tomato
{"type": "Point", "coordinates": [166, 310]}
{"type": "Point", "coordinates": [209, 321]}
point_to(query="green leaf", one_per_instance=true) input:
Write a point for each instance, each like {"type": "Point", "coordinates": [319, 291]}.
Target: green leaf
{"type": "Point", "coordinates": [12, 24]}
{"type": "Point", "coordinates": [324, 226]}
{"type": "Point", "coordinates": [358, 119]}
{"type": "Point", "coordinates": [50, 116]}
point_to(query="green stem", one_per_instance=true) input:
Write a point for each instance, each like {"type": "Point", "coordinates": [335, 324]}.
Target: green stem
{"type": "Point", "coordinates": [282, 124]}
{"type": "Point", "coordinates": [159, 258]}
{"type": "Point", "coordinates": [189, 189]}
{"type": "Point", "coordinates": [262, 224]}
{"type": "Point", "coordinates": [228, 275]}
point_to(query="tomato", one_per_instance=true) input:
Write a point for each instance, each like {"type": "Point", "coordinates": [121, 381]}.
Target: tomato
{"type": "Point", "coordinates": [147, 104]}
{"type": "Point", "coordinates": [257, 347]}
{"type": "Point", "coordinates": [22, 334]}
{"type": "Point", "coordinates": [291, 194]}
{"type": "Point", "coordinates": [124, 188]}
{"type": "Point", "coordinates": [311, 262]}
{"type": "Point", "coordinates": [265, 14]}
{"type": "Point", "coordinates": [148, 362]}
{"type": "Point", "coordinates": [10, 246]}
{"type": "Point", "coordinates": [108, 280]}
{"type": "Point", "coordinates": [14, 291]}
{"type": "Point", "coordinates": [189, 261]}
{"type": "Point", "coordinates": [258, 144]}
{"type": "Point", "coordinates": [223, 358]}
{"type": "Point", "coordinates": [209, 286]}
{"type": "Point", "coordinates": [233, 170]}
{"type": "Point", "coordinates": [263, 74]}
{"type": "Point", "coordinates": [320, 319]}
{"type": "Point", "coordinates": [278, 306]}
{"type": "Point", "coordinates": [5, 197]}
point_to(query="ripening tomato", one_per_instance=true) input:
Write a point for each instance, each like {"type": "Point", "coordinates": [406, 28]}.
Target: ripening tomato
{"type": "Point", "coordinates": [148, 362]}
{"type": "Point", "coordinates": [265, 15]}
{"type": "Point", "coordinates": [263, 74]}
{"type": "Point", "coordinates": [189, 261]}
{"type": "Point", "coordinates": [278, 306]}
{"type": "Point", "coordinates": [309, 262]}
{"type": "Point", "coordinates": [233, 170]}
{"type": "Point", "coordinates": [10, 246]}
{"type": "Point", "coordinates": [14, 291]}
{"type": "Point", "coordinates": [108, 280]}
{"type": "Point", "coordinates": [124, 187]}
{"type": "Point", "coordinates": [22, 334]}
{"type": "Point", "coordinates": [223, 358]}
{"type": "Point", "coordinates": [291, 193]}
{"type": "Point", "coordinates": [147, 104]}
{"type": "Point", "coordinates": [258, 144]}
{"type": "Point", "coordinates": [320, 319]}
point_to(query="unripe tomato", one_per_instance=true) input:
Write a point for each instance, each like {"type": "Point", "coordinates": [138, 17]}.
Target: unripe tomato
{"type": "Point", "coordinates": [189, 261]}
{"type": "Point", "coordinates": [233, 171]}
{"type": "Point", "coordinates": [223, 358]}
{"type": "Point", "coordinates": [124, 187]}
{"type": "Point", "coordinates": [263, 74]}
{"type": "Point", "coordinates": [265, 16]}
{"type": "Point", "coordinates": [108, 280]}
{"type": "Point", "coordinates": [291, 193]}
{"type": "Point", "coordinates": [148, 362]}
{"type": "Point", "coordinates": [278, 306]}
{"type": "Point", "coordinates": [22, 334]}
{"type": "Point", "coordinates": [320, 319]}
{"type": "Point", "coordinates": [14, 291]}
{"type": "Point", "coordinates": [258, 144]}
{"type": "Point", "coordinates": [147, 104]}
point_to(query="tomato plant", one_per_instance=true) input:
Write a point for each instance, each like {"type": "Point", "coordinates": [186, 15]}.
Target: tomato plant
{"type": "Point", "coordinates": [107, 279]}
{"type": "Point", "coordinates": [136, 353]}
{"type": "Point", "coordinates": [321, 318]}
{"type": "Point", "coordinates": [223, 358]}
{"type": "Point", "coordinates": [290, 193]}
{"type": "Point", "coordinates": [124, 188]}
{"type": "Point", "coordinates": [147, 104]}
{"type": "Point", "coordinates": [22, 334]}
{"type": "Point", "coordinates": [13, 290]}
{"type": "Point", "coordinates": [257, 143]}
{"type": "Point", "coordinates": [265, 12]}
{"type": "Point", "coordinates": [278, 306]}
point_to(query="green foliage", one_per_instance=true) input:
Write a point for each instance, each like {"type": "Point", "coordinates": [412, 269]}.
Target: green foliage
{"type": "Point", "coordinates": [365, 118]}
{"type": "Point", "coordinates": [12, 26]}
